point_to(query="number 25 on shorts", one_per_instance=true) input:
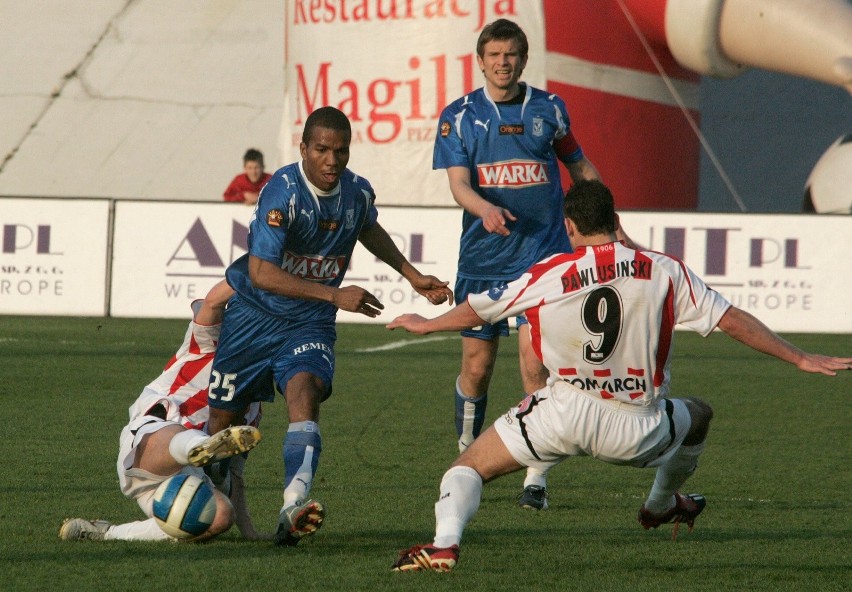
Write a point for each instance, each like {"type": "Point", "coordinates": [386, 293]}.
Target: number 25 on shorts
{"type": "Point", "coordinates": [222, 382]}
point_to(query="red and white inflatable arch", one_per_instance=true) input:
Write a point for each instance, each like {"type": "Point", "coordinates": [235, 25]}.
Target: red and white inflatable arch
{"type": "Point", "coordinates": [628, 70]}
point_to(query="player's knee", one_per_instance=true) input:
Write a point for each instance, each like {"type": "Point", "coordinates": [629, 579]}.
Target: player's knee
{"type": "Point", "coordinates": [476, 376]}
{"type": "Point", "coordinates": [303, 394]}
{"type": "Point", "coordinates": [700, 413]}
{"type": "Point", "coordinates": [225, 516]}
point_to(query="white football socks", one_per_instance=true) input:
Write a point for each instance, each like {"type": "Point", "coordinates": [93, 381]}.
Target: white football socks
{"type": "Point", "coordinates": [461, 490]}
{"type": "Point", "coordinates": [183, 442]}
{"type": "Point", "coordinates": [535, 477]}
{"type": "Point", "coordinates": [670, 476]}
{"type": "Point", "coordinates": [142, 530]}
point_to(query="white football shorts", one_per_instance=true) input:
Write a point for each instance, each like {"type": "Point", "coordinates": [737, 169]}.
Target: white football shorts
{"type": "Point", "coordinates": [136, 483]}
{"type": "Point", "coordinates": [560, 421]}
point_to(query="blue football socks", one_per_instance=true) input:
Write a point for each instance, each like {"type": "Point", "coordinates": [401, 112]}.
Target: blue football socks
{"type": "Point", "coordinates": [302, 448]}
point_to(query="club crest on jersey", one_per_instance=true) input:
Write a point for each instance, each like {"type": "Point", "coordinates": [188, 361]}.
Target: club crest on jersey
{"type": "Point", "coordinates": [525, 405]}
{"type": "Point", "coordinates": [512, 173]}
{"type": "Point", "coordinates": [274, 217]}
{"type": "Point", "coordinates": [350, 219]}
{"type": "Point", "coordinates": [538, 126]}
{"type": "Point", "coordinates": [496, 291]}
{"type": "Point", "coordinates": [445, 129]}
{"type": "Point", "coordinates": [512, 129]}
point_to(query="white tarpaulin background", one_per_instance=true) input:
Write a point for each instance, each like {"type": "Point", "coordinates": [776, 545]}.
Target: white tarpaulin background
{"type": "Point", "coordinates": [155, 99]}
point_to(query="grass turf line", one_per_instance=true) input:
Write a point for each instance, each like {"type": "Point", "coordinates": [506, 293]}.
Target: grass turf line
{"type": "Point", "coordinates": [775, 474]}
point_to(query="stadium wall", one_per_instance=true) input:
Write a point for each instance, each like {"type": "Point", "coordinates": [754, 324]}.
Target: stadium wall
{"type": "Point", "coordinates": [128, 258]}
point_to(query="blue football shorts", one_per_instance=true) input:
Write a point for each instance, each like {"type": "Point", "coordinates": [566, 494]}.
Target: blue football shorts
{"type": "Point", "coordinates": [465, 287]}
{"type": "Point", "coordinates": [258, 353]}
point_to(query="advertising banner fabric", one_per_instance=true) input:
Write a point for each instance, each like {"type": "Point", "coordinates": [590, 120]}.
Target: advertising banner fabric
{"type": "Point", "coordinates": [196, 242]}
{"type": "Point", "coordinates": [392, 68]}
{"type": "Point", "coordinates": [53, 259]}
{"type": "Point", "coordinates": [165, 255]}
{"type": "Point", "coordinates": [793, 272]}
{"type": "Point", "coordinates": [780, 267]}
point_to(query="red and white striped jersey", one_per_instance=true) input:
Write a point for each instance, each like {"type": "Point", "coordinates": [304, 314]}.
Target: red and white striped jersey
{"type": "Point", "coordinates": [603, 318]}
{"type": "Point", "coordinates": [182, 386]}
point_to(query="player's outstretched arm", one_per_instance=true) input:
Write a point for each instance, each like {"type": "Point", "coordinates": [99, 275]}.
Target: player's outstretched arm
{"type": "Point", "coordinates": [213, 307]}
{"type": "Point", "coordinates": [379, 243]}
{"type": "Point", "coordinates": [493, 216]}
{"type": "Point", "coordinates": [746, 328]}
{"type": "Point", "coordinates": [357, 299]}
{"type": "Point", "coordinates": [583, 170]}
{"type": "Point", "coordinates": [270, 277]}
{"type": "Point", "coordinates": [460, 317]}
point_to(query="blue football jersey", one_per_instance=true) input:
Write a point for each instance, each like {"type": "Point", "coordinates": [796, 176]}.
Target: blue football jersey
{"type": "Point", "coordinates": [508, 148]}
{"type": "Point", "coordinates": [307, 235]}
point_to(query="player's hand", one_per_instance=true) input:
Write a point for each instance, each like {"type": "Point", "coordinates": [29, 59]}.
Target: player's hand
{"type": "Point", "coordinates": [355, 299]}
{"type": "Point", "coordinates": [820, 364]}
{"type": "Point", "coordinates": [433, 289]}
{"type": "Point", "coordinates": [494, 220]}
{"type": "Point", "coordinates": [413, 323]}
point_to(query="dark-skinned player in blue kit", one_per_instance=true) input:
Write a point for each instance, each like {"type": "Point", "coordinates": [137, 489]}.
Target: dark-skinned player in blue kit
{"type": "Point", "coordinates": [279, 328]}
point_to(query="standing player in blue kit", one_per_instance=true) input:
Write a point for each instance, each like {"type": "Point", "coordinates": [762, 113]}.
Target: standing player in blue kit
{"type": "Point", "coordinates": [279, 328]}
{"type": "Point", "coordinates": [501, 146]}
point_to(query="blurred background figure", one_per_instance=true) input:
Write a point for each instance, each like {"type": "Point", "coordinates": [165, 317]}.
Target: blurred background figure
{"type": "Point", "coordinates": [246, 186]}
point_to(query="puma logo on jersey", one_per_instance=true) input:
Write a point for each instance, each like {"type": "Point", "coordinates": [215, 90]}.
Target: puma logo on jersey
{"type": "Point", "coordinates": [512, 173]}
{"type": "Point", "coordinates": [485, 125]}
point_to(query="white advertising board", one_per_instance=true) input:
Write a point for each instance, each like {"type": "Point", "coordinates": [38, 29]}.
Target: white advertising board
{"type": "Point", "coordinates": [429, 238]}
{"type": "Point", "coordinates": [165, 255]}
{"type": "Point", "coordinates": [53, 256]}
{"type": "Point", "coordinates": [793, 272]}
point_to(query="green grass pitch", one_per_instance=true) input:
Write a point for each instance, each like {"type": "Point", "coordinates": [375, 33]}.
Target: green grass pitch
{"type": "Point", "coordinates": [775, 473]}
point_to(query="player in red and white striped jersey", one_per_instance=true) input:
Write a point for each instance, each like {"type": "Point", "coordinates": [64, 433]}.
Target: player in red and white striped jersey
{"type": "Point", "coordinates": [602, 318]}
{"type": "Point", "coordinates": [602, 321]}
{"type": "Point", "coordinates": [165, 436]}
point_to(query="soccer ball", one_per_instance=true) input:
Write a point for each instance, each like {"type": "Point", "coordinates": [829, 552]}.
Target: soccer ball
{"type": "Point", "coordinates": [184, 506]}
